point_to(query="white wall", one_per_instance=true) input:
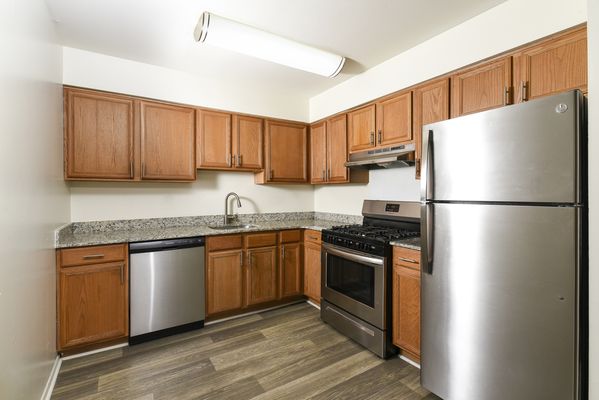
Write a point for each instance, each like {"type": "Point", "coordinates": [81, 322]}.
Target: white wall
{"type": "Point", "coordinates": [91, 201]}
{"type": "Point", "coordinates": [593, 111]}
{"type": "Point", "coordinates": [99, 71]}
{"type": "Point", "coordinates": [501, 28]}
{"type": "Point", "coordinates": [34, 198]}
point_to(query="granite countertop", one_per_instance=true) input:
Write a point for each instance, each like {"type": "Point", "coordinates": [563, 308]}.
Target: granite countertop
{"type": "Point", "coordinates": [410, 243]}
{"type": "Point", "coordinates": [124, 231]}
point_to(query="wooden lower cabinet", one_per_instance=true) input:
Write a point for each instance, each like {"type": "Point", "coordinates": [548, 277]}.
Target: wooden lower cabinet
{"type": "Point", "coordinates": [261, 275]}
{"type": "Point", "coordinates": [312, 265]}
{"type": "Point", "coordinates": [291, 277]}
{"type": "Point", "coordinates": [406, 302]}
{"type": "Point", "coordinates": [224, 277]}
{"type": "Point", "coordinates": [93, 300]}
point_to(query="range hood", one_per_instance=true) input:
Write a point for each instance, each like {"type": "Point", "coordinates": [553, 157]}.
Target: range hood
{"type": "Point", "coordinates": [387, 157]}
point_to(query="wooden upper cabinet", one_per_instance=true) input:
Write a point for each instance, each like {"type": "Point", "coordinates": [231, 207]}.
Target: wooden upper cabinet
{"type": "Point", "coordinates": [261, 275]}
{"type": "Point", "coordinates": [98, 135]}
{"type": "Point", "coordinates": [482, 87]}
{"type": "Point", "coordinates": [337, 149]}
{"type": "Point", "coordinates": [286, 146]}
{"type": "Point", "coordinates": [214, 139]}
{"type": "Point", "coordinates": [318, 152]}
{"type": "Point", "coordinates": [248, 142]}
{"type": "Point", "coordinates": [394, 120]}
{"type": "Point", "coordinates": [552, 66]}
{"type": "Point", "coordinates": [167, 142]}
{"type": "Point", "coordinates": [361, 126]}
{"type": "Point", "coordinates": [431, 104]}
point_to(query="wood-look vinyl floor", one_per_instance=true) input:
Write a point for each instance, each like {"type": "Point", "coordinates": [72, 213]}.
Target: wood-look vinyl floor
{"type": "Point", "coordinates": [288, 353]}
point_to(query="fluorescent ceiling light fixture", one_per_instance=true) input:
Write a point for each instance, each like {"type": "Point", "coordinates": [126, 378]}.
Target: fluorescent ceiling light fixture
{"type": "Point", "coordinates": [244, 39]}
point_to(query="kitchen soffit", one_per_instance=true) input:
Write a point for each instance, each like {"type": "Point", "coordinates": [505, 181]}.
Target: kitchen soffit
{"type": "Point", "coordinates": [161, 33]}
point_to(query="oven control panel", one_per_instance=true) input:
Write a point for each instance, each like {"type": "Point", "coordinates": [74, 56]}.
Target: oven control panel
{"type": "Point", "coordinates": [363, 245]}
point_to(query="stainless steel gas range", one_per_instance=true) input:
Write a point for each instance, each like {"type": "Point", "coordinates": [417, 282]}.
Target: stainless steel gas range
{"type": "Point", "coordinates": [356, 278]}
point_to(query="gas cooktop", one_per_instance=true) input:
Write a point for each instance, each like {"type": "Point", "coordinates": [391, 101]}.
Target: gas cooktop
{"type": "Point", "coordinates": [374, 232]}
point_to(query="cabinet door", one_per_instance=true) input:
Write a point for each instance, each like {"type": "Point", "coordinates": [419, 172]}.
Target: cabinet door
{"type": "Point", "coordinates": [312, 271]}
{"type": "Point", "coordinates": [93, 304]}
{"type": "Point", "coordinates": [360, 125]}
{"type": "Point", "coordinates": [167, 142]}
{"type": "Point", "coordinates": [555, 65]}
{"type": "Point", "coordinates": [224, 281]}
{"type": "Point", "coordinates": [431, 104]}
{"type": "Point", "coordinates": [291, 277]}
{"type": "Point", "coordinates": [318, 153]}
{"type": "Point", "coordinates": [482, 87]}
{"type": "Point", "coordinates": [406, 309]}
{"type": "Point", "coordinates": [286, 152]}
{"type": "Point", "coordinates": [214, 144]}
{"type": "Point", "coordinates": [394, 120]}
{"type": "Point", "coordinates": [261, 275]}
{"type": "Point", "coordinates": [337, 149]}
{"type": "Point", "coordinates": [98, 136]}
{"type": "Point", "coordinates": [248, 137]}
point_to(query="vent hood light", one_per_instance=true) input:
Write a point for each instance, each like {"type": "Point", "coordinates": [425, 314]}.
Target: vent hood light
{"type": "Point", "coordinates": [244, 39]}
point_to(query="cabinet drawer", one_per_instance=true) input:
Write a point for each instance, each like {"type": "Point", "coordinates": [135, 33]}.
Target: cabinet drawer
{"type": "Point", "coordinates": [312, 236]}
{"type": "Point", "coordinates": [261, 239]}
{"type": "Point", "coordinates": [290, 236]}
{"type": "Point", "coordinates": [223, 242]}
{"type": "Point", "coordinates": [406, 257]}
{"type": "Point", "coordinates": [92, 255]}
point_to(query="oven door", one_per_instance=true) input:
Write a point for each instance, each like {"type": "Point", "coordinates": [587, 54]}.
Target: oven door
{"type": "Point", "coordinates": [355, 282]}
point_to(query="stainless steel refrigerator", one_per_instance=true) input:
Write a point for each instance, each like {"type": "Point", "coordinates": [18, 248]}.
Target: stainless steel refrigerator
{"type": "Point", "coordinates": [503, 252]}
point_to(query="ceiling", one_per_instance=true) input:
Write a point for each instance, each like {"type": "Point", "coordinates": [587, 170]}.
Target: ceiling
{"type": "Point", "coordinates": [160, 32]}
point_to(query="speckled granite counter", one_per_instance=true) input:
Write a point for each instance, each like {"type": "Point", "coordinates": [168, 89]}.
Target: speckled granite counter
{"type": "Point", "coordinates": [106, 232]}
{"type": "Point", "coordinates": [410, 243]}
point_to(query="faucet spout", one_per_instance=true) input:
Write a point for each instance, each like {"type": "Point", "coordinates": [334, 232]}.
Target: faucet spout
{"type": "Point", "coordinates": [227, 217]}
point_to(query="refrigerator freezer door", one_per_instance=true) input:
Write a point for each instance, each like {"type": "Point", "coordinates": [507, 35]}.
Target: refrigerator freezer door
{"type": "Point", "coordinates": [521, 153]}
{"type": "Point", "coordinates": [499, 303]}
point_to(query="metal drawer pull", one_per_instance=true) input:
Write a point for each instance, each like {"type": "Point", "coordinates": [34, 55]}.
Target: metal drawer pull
{"type": "Point", "coordinates": [362, 328]}
{"type": "Point", "coordinates": [93, 256]}
{"type": "Point", "coordinates": [122, 274]}
{"type": "Point", "coordinates": [408, 260]}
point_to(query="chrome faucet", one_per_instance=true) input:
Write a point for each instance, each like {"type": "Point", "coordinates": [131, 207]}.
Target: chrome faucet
{"type": "Point", "coordinates": [227, 216]}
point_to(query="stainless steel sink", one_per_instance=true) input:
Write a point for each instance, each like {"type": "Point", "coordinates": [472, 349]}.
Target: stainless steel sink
{"type": "Point", "coordinates": [233, 226]}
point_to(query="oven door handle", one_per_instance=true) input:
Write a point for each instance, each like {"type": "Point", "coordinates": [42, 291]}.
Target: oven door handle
{"type": "Point", "coordinates": [377, 262]}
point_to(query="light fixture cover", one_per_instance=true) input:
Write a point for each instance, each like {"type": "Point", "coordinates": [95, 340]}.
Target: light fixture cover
{"type": "Point", "coordinates": [244, 39]}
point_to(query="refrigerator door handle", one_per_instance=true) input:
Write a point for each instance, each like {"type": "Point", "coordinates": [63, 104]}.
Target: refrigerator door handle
{"type": "Point", "coordinates": [427, 182]}
{"type": "Point", "coordinates": [427, 237]}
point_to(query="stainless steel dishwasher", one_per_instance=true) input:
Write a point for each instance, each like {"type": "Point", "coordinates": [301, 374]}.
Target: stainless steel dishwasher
{"type": "Point", "coordinates": [167, 287]}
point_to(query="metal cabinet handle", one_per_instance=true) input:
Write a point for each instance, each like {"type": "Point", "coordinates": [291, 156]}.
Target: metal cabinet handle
{"type": "Point", "coordinates": [249, 259]}
{"type": "Point", "coordinates": [271, 174]}
{"type": "Point", "coordinates": [93, 256]}
{"type": "Point", "coordinates": [371, 137]}
{"type": "Point", "coordinates": [506, 96]}
{"type": "Point", "coordinates": [239, 160]}
{"type": "Point", "coordinates": [242, 258]}
{"type": "Point", "coordinates": [143, 169]}
{"type": "Point", "coordinates": [131, 168]}
{"type": "Point", "coordinates": [228, 160]}
{"type": "Point", "coordinates": [324, 175]}
{"type": "Point", "coordinates": [380, 136]}
{"type": "Point", "coordinates": [283, 254]}
{"type": "Point", "coordinates": [122, 274]}
{"type": "Point", "coordinates": [235, 160]}
{"type": "Point", "coordinates": [524, 90]}
{"type": "Point", "coordinates": [408, 260]}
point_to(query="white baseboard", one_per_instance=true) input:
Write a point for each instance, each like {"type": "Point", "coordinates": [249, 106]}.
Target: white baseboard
{"type": "Point", "coordinates": [313, 304]}
{"type": "Point", "coordinates": [87, 353]}
{"type": "Point", "coordinates": [47, 393]}
{"type": "Point", "coordinates": [406, 359]}
{"type": "Point", "coordinates": [251, 313]}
